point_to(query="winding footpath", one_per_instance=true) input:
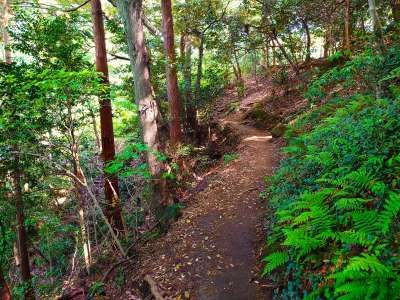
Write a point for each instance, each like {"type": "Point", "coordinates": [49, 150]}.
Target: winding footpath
{"type": "Point", "coordinates": [213, 251]}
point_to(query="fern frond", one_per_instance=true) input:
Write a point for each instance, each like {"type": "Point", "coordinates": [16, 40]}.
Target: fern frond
{"type": "Point", "coordinates": [366, 221]}
{"type": "Point", "coordinates": [351, 290]}
{"type": "Point", "coordinates": [367, 262]}
{"type": "Point", "coordinates": [355, 237]}
{"type": "Point", "coordinates": [391, 210]}
{"type": "Point", "coordinates": [274, 261]}
{"type": "Point", "coordinates": [350, 203]}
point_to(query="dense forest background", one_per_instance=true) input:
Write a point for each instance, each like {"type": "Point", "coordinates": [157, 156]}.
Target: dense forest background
{"type": "Point", "coordinates": [106, 125]}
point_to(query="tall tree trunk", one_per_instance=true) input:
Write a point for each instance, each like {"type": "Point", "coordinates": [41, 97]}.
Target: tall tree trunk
{"type": "Point", "coordinates": [238, 72]}
{"type": "Point", "coordinates": [182, 45]}
{"type": "Point", "coordinates": [362, 25]}
{"type": "Point", "coordinates": [286, 55]}
{"type": "Point", "coordinates": [5, 293]}
{"type": "Point", "coordinates": [395, 4]}
{"type": "Point", "coordinates": [347, 21]}
{"type": "Point", "coordinates": [111, 189]}
{"type": "Point", "coordinates": [79, 192]}
{"type": "Point", "coordinates": [87, 253]}
{"type": "Point", "coordinates": [21, 232]}
{"type": "Point", "coordinates": [172, 80]}
{"type": "Point", "coordinates": [6, 38]}
{"type": "Point", "coordinates": [191, 111]}
{"type": "Point", "coordinates": [132, 12]}
{"type": "Point", "coordinates": [79, 179]}
{"type": "Point", "coordinates": [376, 25]}
{"type": "Point", "coordinates": [326, 43]}
{"type": "Point", "coordinates": [308, 39]}
{"type": "Point", "coordinates": [273, 55]}
{"type": "Point", "coordinates": [16, 177]}
{"type": "Point", "coordinates": [95, 130]}
{"type": "Point", "coordinates": [197, 85]}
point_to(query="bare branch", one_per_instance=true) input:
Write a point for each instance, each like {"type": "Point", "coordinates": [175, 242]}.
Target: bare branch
{"type": "Point", "coordinates": [116, 56]}
{"type": "Point", "coordinates": [77, 7]}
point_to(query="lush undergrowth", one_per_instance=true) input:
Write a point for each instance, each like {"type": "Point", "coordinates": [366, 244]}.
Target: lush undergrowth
{"type": "Point", "coordinates": [336, 196]}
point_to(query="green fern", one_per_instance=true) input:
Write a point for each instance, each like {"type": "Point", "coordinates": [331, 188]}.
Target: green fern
{"type": "Point", "coordinates": [391, 211]}
{"type": "Point", "coordinates": [350, 203]}
{"type": "Point", "coordinates": [367, 262]}
{"type": "Point", "coordinates": [274, 261]}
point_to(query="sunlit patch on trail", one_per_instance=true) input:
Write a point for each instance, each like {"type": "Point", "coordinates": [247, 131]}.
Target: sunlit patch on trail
{"type": "Point", "coordinates": [258, 138]}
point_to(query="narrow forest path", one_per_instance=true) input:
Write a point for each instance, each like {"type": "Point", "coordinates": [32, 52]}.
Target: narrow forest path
{"type": "Point", "coordinates": [213, 251]}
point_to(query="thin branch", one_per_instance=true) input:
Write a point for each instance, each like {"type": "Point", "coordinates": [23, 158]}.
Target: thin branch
{"type": "Point", "coordinates": [77, 7]}
{"type": "Point", "coordinates": [151, 28]}
{"type": "Point", "coordinates": [116, 56]}
{"type": "Point", "coordinates": [92, 196]}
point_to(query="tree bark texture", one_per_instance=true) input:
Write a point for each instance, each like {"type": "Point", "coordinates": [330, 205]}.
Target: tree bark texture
{"type": "Point", "coordinates": [197, 86]}
{"type": "Point", "coordinates": [308, 40]}
{"type": "Point", "coordinates": [6, 37]}
{"type": "Point", "coordinates": [21, 232]}
{"type": "Point", "coordinates": [395, 4]}
{"type": "Point", "coordinates": [376, 25]}
{"type": "Point", "coordinates": [132, 14]}
{"type": "Point", "coordinates": [347, 22]}
{"type": "Point", "coordinates": [5, 293]}
{"type": "Point", "coordinates": [111, 189]}
{"type": "Point", "coordinates": [172, 79]}
{"type": "Point", "coordinates": [191, 111]}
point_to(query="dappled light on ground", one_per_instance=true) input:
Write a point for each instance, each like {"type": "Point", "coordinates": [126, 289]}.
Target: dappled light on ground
{"type": "Point", "coordinates": [256, 138]}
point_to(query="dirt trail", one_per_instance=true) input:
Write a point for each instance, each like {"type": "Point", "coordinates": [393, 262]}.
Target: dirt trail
{"type": "Point", "coordinates": [213, 250]}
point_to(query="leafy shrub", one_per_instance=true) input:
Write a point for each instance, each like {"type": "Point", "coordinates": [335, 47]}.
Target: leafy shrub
{"type": "Point", "coordinates": [281, 77]}
{"type": "Point", "coordinates": [228, 157]}
{"type": "Point", "coordinates": [335, 230]}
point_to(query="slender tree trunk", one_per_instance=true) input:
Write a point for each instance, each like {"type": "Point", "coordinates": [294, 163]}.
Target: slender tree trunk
{"type": "Point", "coordinates": [79, 192]}
{"type": "Point", "coordinates": [395, 4]}
{"type": "Point", "coordinates": [347, 21]}
{"type": "Point", "coordinates": [5, 293]}
{"type": "Point", "coordinates": [238, 73]}
{"type": "Point", "coordinates": [191, 111]}
{"type": "Point", "coordinates": [376, 25]}
{"type": "Point", "coordinates": [197, 86]}
{"type": "Point", "coordinates": [95, 130]}
{"type": "Point", "coordinates": [273, 55]}
{"type": "Point", "coordinates": [286, 55]}
{"type": "Point", "coordinates": [182, 46]}
{"type": "Point", "coordinates": [255, 63]}
{"type": "Point", "coordinates": [235, 71]}
{"type": "Point", "coordinates": [327, 41]}
{"type": "Point", "coordinates": [17, 258]}
{"type": "Point", "coordinates": [172, 79]}
{"type": "Point", "coordinates": [21, 232]}
{"type": "Point", "coordinates": [87, 253]}
{"type": "Point", "coordinates": [111, 189]}
{"type": "Point", "coordinates": [18, 197]}
{"type": "Point", "coordinates": [362, 25]}
{"type": "Point", "coordinates": [6, 38]}
{"type": "Point", "coordinates": [308, 40]}
{"type": "Point", "coordinates": [132, 12]}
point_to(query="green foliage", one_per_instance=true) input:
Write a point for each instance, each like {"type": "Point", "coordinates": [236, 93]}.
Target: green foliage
{"type": "Point", "coordinates": [338, 214]}
{"type": "Point", "coordinates": [52, 40]}
{"type": "Point", "coordinates": [234, 106]}
{"type": "Point", "coordinates": [281, 77]}
{"type": "Point", "coordinates": [228, 157]}
{"type": "Point", "coordinates": [97, 288]}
